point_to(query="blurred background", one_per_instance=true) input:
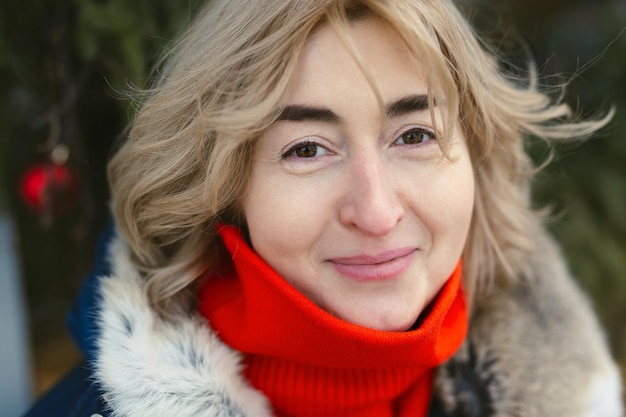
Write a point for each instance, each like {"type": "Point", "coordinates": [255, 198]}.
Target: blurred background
{"type": "Point", "coordinates": [66, 67]}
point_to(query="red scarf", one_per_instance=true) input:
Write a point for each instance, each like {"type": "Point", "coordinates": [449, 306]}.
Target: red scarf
{"type": "Point", "coordinates": [309, 363]}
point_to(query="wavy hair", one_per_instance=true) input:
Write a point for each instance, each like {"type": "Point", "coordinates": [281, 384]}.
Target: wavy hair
{"type": "Point", "coordinates": [186, 161]}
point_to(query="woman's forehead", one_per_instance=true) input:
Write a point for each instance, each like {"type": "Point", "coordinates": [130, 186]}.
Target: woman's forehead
{"type": "Point", "coordinates": [371, 56]}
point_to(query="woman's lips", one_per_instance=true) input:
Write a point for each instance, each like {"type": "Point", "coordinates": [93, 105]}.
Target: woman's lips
{"type": "Point", "coordinates": [386, 265]}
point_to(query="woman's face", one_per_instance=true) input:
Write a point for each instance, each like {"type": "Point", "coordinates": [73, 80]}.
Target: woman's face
{"type": "Point", "coordinates": [354, 205]}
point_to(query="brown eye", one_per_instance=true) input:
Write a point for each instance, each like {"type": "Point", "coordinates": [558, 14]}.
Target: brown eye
{"type": "Point", "coordinates": [308, 150]}
{"type": "Point", "coordinates": [415, 137]}
{"type": "Point", "coordinates": [305, 150]}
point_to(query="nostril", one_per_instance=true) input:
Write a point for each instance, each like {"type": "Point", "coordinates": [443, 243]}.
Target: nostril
{"type": "Point", "coordinates": [373, 215]}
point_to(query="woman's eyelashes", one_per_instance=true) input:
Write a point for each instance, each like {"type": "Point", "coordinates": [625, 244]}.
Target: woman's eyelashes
{"type": "Point", "coordinates": [305, 149]}
{"type": "Point", "coordinates": [308, 149]}
{"type": "Point", "coordinates": [416, 136]}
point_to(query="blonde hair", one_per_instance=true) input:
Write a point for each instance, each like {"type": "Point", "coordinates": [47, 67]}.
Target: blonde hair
{"type": "Point", "coordinates": [187, 158]}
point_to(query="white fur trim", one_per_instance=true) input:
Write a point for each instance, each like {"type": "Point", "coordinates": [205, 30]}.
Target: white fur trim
{"type": "Point", "coordinates": [149, 367]}
{"type": "Point", "coordinates": [606, 394]}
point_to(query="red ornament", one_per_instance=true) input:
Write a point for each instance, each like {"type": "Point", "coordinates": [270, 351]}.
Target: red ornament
{"type": "Point", "coordinates": [49, 188]}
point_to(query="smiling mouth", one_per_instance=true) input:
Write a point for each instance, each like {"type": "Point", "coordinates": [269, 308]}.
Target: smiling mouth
{"type": "Point", "coordinates": [385, 266]}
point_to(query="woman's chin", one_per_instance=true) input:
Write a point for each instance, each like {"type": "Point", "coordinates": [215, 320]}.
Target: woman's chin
{"type": "Point", "coordinates": [384, 321]}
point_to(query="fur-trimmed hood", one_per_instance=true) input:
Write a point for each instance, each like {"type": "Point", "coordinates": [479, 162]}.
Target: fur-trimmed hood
{"type": "Point", "coordinates": [532, 351]}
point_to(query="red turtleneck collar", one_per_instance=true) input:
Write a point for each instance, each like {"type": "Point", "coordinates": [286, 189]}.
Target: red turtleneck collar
{"type": "Point", "coordinates": [309, 363]}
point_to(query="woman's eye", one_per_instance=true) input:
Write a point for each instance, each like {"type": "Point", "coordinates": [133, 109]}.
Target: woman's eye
{"type": "Point", "coordinates": [415, 136]}
{"type": "Point", "coordinates": [305, 150]}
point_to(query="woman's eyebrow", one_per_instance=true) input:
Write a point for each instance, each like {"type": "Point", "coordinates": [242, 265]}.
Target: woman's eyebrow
{"type": "Point", "coordinates": [399, 107]}
{"type": "Point", "coordinates": [301, 113]}
{"type": "Point", "coordinates": [406, 105]}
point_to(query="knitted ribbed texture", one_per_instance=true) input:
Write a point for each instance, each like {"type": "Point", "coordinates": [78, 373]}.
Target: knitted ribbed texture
{"type": "Point", "coordinates": [309, 363]}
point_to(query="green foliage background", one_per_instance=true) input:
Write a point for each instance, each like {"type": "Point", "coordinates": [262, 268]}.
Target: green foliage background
{"type": "Point", "coordinates": [582, 43]}
{"type": "Point", "coordinates": [73, 59]}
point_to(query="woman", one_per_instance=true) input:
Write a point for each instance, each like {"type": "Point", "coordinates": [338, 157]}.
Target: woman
{"type": "Point", "coordinates": [323, 209]}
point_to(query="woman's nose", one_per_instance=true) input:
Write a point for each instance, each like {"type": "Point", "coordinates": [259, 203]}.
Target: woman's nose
{"type": "Point", "coordinates": [371, 202]}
